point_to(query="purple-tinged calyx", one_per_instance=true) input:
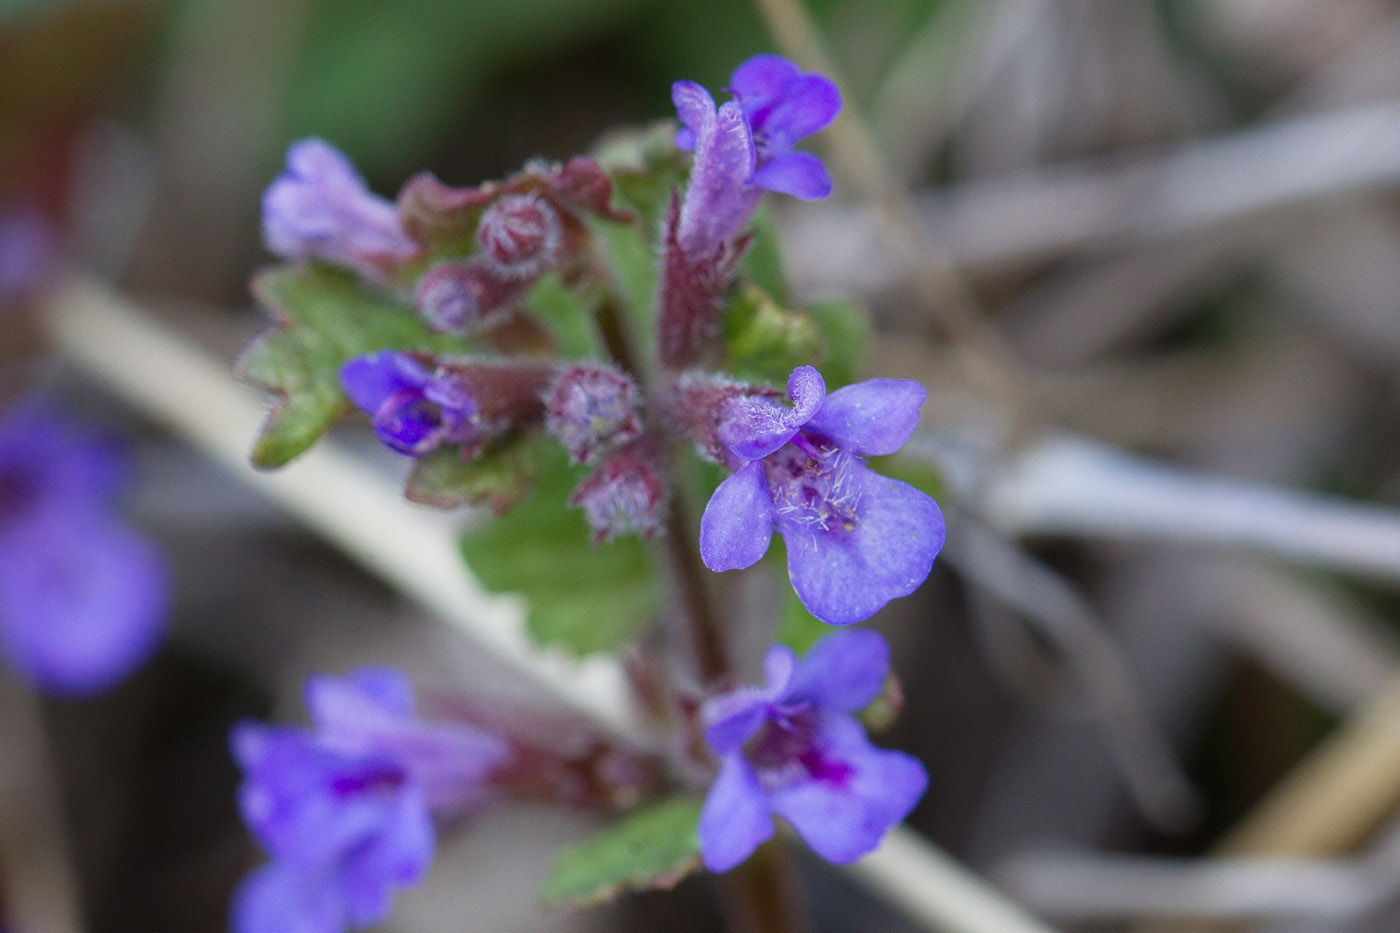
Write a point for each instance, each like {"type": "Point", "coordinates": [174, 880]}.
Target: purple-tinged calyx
{"type": "Point", "coordinates": [456, 297]}
{"type": "Point", "coordinates": [855, 539]}
{"type": "Point", "coordinates": [520, 236]}
{"type": "Point", "coordinates": [439, 215]}
{"type": "Point", "coordinates": [591, 408]}
{"type": "Point", "coordinates": [345, 809]}
{"type": "Point", "coordinates": [418, 403]}
{"type": "Point", "coordinates": [320, 208]}
{"type": "Point", "coordinates": [793, 749]}
{"type": "Point", "coordinates": [627, 494]}
{"type": "Point", "coordinates": [83, 596]}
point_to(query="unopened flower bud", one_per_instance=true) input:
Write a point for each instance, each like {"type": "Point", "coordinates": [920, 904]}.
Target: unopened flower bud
{"type": "Point", "coordinates": [589, 408]}
{"type": "Point", "coordinates": [520, 235]}
{"type": "Point", "coordinates": [624, 496]}
{"type": "Point", "coordinates": [454, 296]}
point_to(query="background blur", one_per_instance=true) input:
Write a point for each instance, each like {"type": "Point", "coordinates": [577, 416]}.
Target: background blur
{"type": "Point", "coordinates": [1172, 228]}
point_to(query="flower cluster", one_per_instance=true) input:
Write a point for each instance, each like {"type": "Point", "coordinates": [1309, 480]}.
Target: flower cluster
{"type": "Point", "coordinates": [346, 808]}
{"type": "Point", "coordinates": [82, 595]}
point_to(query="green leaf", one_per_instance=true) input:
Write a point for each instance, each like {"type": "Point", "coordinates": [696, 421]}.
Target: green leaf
{"type": "Point", "coordinates": [646, 167]}
{"type": "Point", "coordinates": [798, 628]}
{"type": "Point", "coordinates": [845, 327]}
{"type": "Point", "coordinates": [766, 341]}
{"type": "Point", "coordinates": [763, 263]}
{"type": "Point", "coordinates": [322, 317]}
{"type": "Point", "coordinates": [566, 316]}
{"type": "Point", "coordinates": [582, 598]}
{"type": "Point", "coordinates": [653, 847]}
{"type": "Point", "coordinates": [918, 473]}
{"type": "Point", "coordinates": [499, 478]}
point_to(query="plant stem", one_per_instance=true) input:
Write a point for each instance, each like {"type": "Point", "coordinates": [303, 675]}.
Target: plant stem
{"type": "Point", "coordinates": [707, 636]}
{"type": "Point", "coordinates": [759, 896]}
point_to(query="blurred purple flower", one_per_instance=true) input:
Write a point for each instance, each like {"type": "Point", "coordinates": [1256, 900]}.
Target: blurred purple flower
{"type": "Point", "coordinates": [415, 408]}
{"type": "Point", "coordinates": [345, 809]}
{"type": "Point", "coordinates": [28, 246]}
{"type": "Point", "coordinates": [855, 539]}
{"type": "Point", "coordinates": [320, 208]}
{"type": "Point", "coordinates": [83, 597]}
{"type": "Point", "coordinates": [794, 749]}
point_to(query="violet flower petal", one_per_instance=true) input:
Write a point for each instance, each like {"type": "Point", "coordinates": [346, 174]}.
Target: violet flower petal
{"type": "Point", "coordinates": [872, 418]}
{"type": "Point", "coordinates": [369, 696]}
{"type": "Point", "coordinates": [309, 805]}
{"type": "Point", "coordinates": [321, 208]}
{"type": "Point", "coordinates": [83, 600]}
{"type": "Point", "coordinates": [800, 174]}
{"type": "Point", "coordinates": [845, 817]}
{"type": "Point", "coordinates": [806, 105]}
{"type": "Point", "coordinates": [409, 424]}
{"type": "Point", "coordinates": [372, 379]}
{"type": "Point", "coordinates": [762, 79]}
{"type": "Point", "coordinates": [754, 427]}
{"type": "Point", "coordinates": [845, 576]}
{"type": "Point", "coordinates": [735, 818]}
{"type": "Point", "coordinates": [276, 899]}
{"type": "Point", "coordinates": [397, 856]}
{"type": "Point", "coordinates": [371, 712]}
{"type": "Point", "coordinates": [719, 198]}
{"type": "Point", "coordinates": [779, 665]}
{"type": "Point", "coordinates": [737, 526]}
{"type": "Point", "coordinates": [843, 671]}
{"type": "Point", "coordinates": [732, 718]}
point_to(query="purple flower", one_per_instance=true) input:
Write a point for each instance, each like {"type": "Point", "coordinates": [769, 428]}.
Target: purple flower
{"type": "Point", "coordinates": [746, 146]}
{"type": "Point", "coordinates": [83, 597]}
{"type": "Point", "coordinates": [742, 148]}
{"type": "Point", "coordinates": [415, 408]}
{"type": "Point", "coordinates": [345, 810]}
{"type": "Point", "coordinates": [855, 539]}
{"type": "Point", "coordinates": [320, 208]}
{"type": "Point", "coordinates": [794, 749]}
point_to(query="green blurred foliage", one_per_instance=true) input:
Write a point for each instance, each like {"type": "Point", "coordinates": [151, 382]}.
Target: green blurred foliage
{"type": "Point", "coordinates": [653, 847]}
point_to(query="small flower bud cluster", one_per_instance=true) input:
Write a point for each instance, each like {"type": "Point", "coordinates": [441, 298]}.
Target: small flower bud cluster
{"type": "Point", "coordinates": [591, 408]}
{"type": "Point", "coordinates": [520, 236]}
{"type": "Point", "coordinates": [454, 296]}
{"type": "Point", "coordinates": [627, 494]}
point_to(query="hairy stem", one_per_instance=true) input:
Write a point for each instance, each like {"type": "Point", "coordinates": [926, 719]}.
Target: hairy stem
{"type": "Point", "coordinates": [758, 896]}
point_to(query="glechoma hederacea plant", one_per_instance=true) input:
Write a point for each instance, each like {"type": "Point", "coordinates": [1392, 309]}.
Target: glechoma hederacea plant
{"type": "Point", "coordinates": [524, 344]}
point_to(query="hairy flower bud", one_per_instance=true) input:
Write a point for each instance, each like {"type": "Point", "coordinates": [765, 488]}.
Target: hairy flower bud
{"type": "Point", "coordinates": [453, 297]}
{"type": "Point", "coordinates": [589, 408]}
{"type": "Point", "coordinates": [623, 496]}
{"type": "Point", "coordinates": [520, 236]}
